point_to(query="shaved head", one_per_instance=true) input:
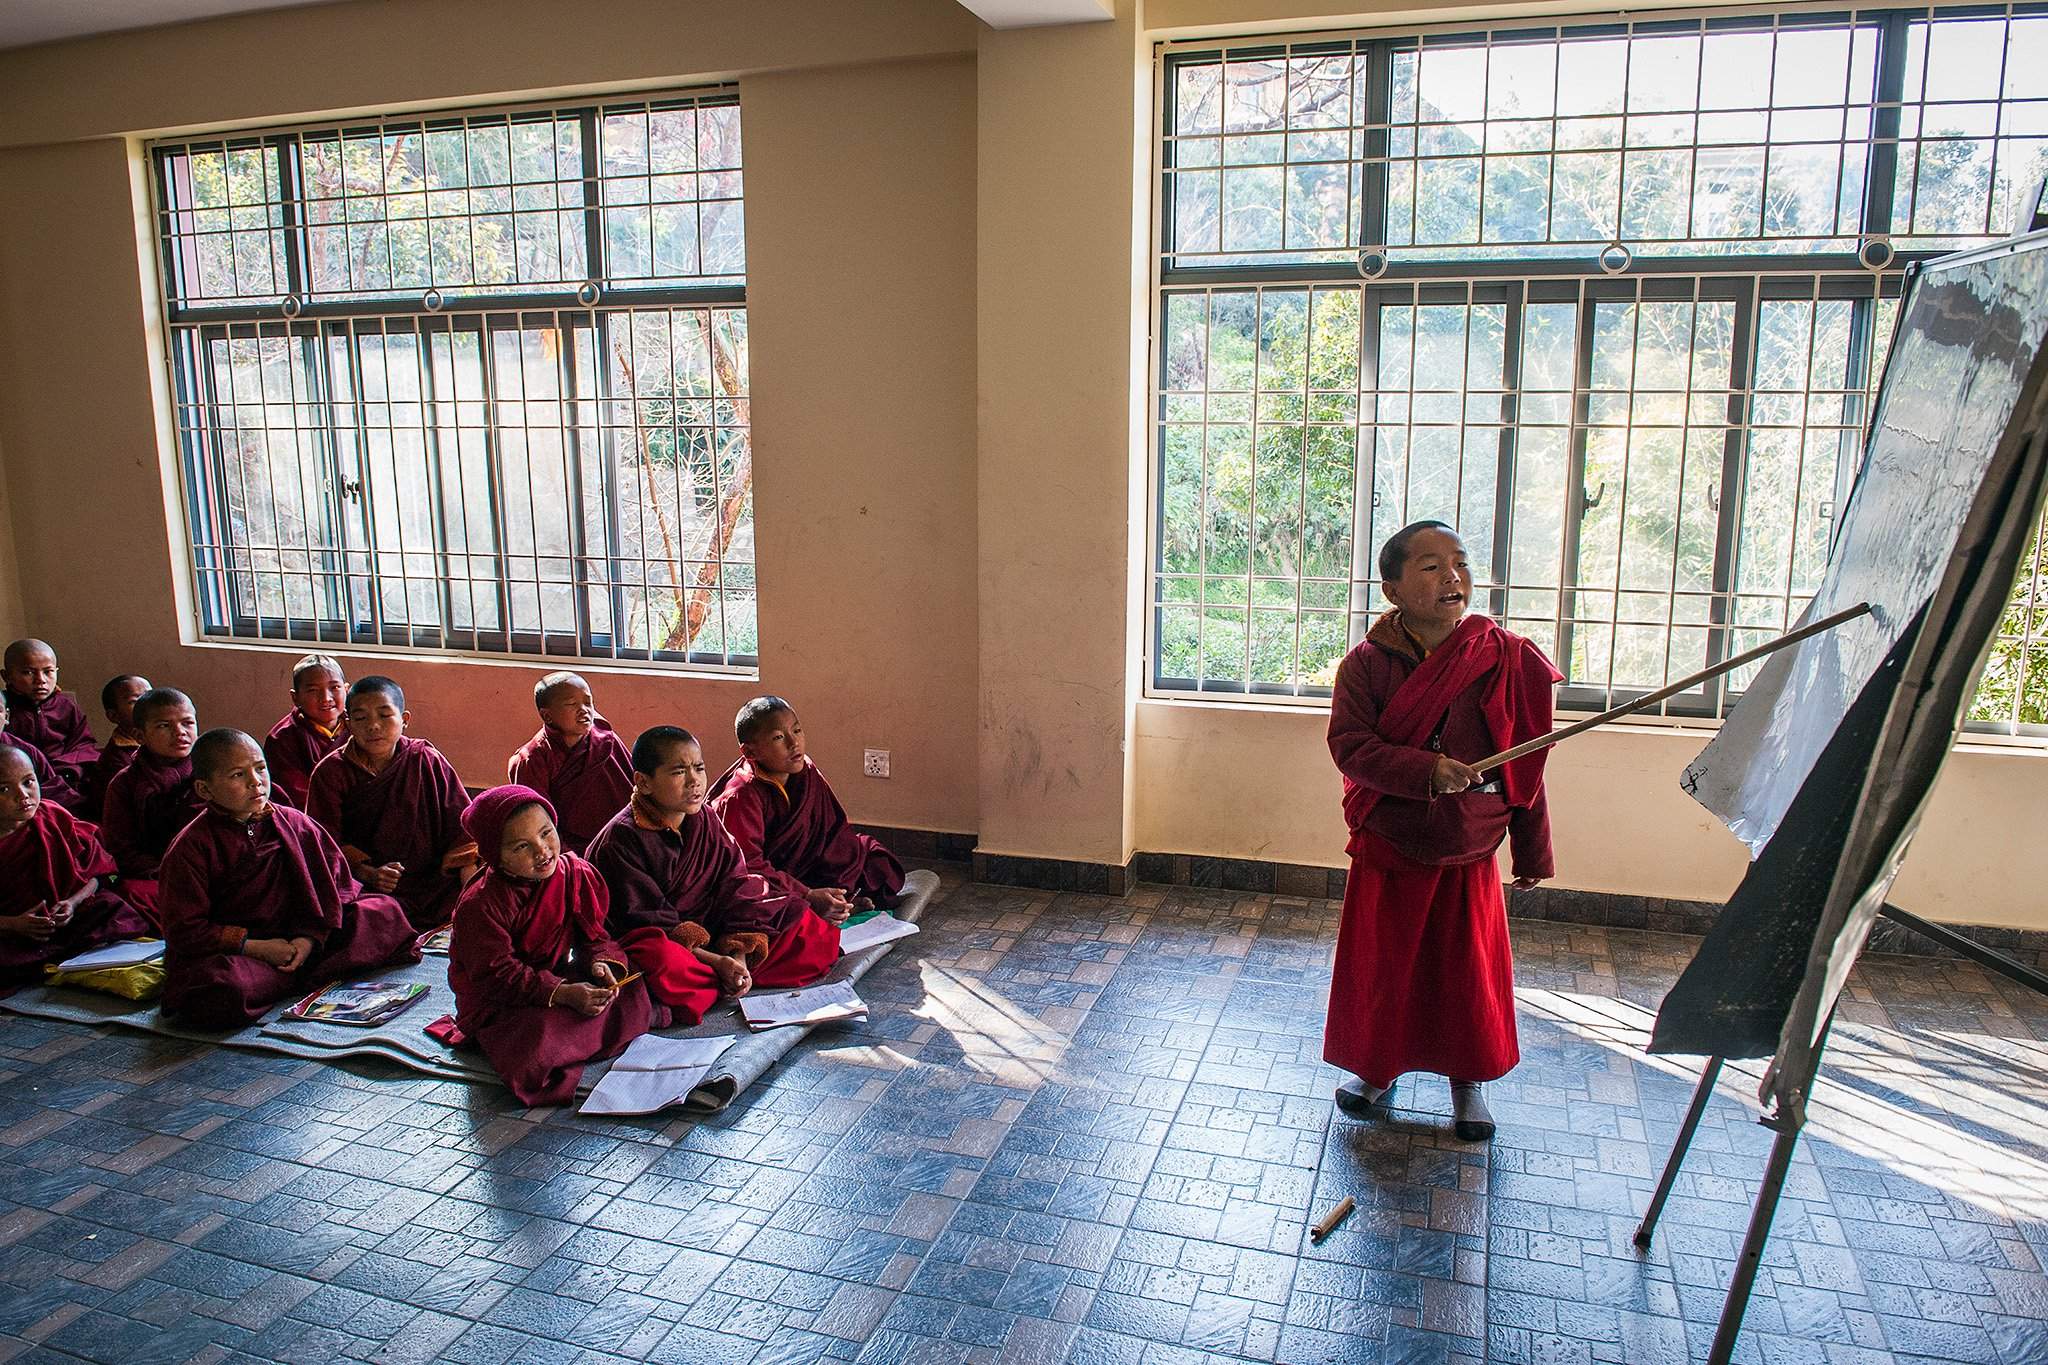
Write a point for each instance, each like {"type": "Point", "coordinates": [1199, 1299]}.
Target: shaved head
{"type": "Point", "coordinates": [22, 650]}
{"type": "Point", "coordinates": [14, 762]}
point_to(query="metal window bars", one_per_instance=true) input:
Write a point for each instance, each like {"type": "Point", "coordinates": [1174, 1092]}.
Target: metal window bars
{"type": "Point", "coordinates": [471, 382]}
{"type": "Point", "coordinates": [1612, 296]}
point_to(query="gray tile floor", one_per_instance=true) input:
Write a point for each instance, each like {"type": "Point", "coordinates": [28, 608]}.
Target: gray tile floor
{"type": "Point", "coordinates": [1075, 1129]}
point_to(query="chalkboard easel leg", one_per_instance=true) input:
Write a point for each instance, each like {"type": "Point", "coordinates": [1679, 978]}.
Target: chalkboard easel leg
{"type": "Point", "coordinates": [1737, 1302]}
{"type": "Point", "coordinates": [1700, 1096]}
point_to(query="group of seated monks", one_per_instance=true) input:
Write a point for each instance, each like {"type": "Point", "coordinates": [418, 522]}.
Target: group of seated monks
{"type": "Point", "coordinates": [601, 892]}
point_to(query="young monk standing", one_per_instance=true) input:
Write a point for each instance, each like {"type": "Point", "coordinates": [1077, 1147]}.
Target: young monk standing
{"type": "Point", "coordinates": [791, 827]}
{"type": "Point", "coordinates": [118, 700]}
{"type": "Point", "coordinates": [308, 732]}
{"type": "Point", "coordinates": [152, 799]}
{"type": "Point", "coordinates": [257, 902]}
{"type": "Point", "coordinates": [1424, 977]}
{"type": "Point", "coordinates": [535, 972]}
{"type": "Point", "coordinates": [683, 904]}
{"type": "Point", "coordinates": [54, 903]}
{"type": "Point", "coordinates": [395, 806]}
{"type": "Point", "coordinates": [575, 760]}
{"type": "Point", "coordinates": [38, 713]}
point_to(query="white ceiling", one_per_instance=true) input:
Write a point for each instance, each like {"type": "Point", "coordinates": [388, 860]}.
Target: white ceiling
{"type": "Point", "coordinates": [23, 22]}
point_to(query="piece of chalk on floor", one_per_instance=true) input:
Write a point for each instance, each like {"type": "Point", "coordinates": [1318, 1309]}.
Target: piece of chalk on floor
{"type": "Point", "coordinates": [1332, 1218]}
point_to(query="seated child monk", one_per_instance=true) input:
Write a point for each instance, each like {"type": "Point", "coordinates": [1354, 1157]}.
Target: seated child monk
{"type": "Point", "coordinates": [395, 806]}
{"type": "Point", "coordinates": [684, 906]}
{"type": "Point", "coordinates": [534, 971]}
{"type": "Point", "coordinates": [151, 800]}
{"type": "Point", "coordinates": [575, 760]}
{"type": "Point", "coordinates": [792, 828]}
{"type": "Point", "coordinates": [118, 700]}
{"type": "Point", "coordinates": [38, 713]}
{"type": "Point", "coordinates": [308, 732]}
{"type": "Point", "coordinates": [54, 903]}
{"type": "Point", "coordinates": [257, 901]}
{"type": "Point", "coordinates": [46, 776]}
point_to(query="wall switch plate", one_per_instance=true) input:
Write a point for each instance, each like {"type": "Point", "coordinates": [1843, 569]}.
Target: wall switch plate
{"type": "Point", "coordinates": [875, 762]}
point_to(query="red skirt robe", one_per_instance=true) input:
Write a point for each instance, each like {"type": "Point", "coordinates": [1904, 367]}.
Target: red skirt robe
{"type": "Point", "coordinates": [675, 888]}
{"type": "Point", "coordinates": [47, 860]}
{"type": "Point", "coordinates": [224, 882]}
{"type": "Point", "coordinates": [514, 942]}
{"type": "Point", "coordinates": [293, 748]}
{"type": "Point", "coordinates": [58, 727]}
{"type": "Point", "coordinates": [1424, 976]}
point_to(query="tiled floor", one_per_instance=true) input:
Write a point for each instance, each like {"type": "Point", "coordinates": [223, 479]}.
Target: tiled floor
{"type": "Point", "coordinates": [1075, 1129]}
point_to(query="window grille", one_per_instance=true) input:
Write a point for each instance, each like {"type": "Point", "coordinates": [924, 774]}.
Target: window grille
{"type": "Point", "coordinates": [1612, 297]}
{"type": "Point", "coordinates": [473, 382]}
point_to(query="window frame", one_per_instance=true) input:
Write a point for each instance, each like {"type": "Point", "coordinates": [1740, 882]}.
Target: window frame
{"type": "Point", "coordinates": [600, 305]}
{"type": "Point", "coordinates": [1749, 277]}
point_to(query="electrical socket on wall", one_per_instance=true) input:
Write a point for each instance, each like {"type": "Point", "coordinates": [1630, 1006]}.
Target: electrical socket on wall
{"type": "Point", "coordinates": [875, 762]}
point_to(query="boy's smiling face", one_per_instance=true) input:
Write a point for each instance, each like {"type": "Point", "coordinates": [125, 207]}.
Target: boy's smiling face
{"type": "Point", "coordinates": [529, 849]}
{"type": "Point", "coordinates": [318, 693]}
{"type": "Point", "coordinates": [32, 673]}
{"type": "Point", "coordinates": [375, 723]}
{"type": "Point", "coordinates": [168, 731]}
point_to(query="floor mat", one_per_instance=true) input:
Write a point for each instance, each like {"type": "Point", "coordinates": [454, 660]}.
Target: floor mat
{"type": "Point", "coordinates": [404, 1041]}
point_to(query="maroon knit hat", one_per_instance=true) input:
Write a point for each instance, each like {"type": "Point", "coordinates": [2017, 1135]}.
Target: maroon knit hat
{"type": "Point", "coordinates": [484, 818]}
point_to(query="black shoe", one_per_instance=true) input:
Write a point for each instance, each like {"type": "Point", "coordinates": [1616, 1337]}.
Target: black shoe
{"type": "Point", "coordinates": [1474, 1122]}
{"type": "Point", "coordinates": [1361, 1100]}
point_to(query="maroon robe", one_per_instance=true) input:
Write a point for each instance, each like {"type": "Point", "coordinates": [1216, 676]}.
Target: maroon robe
{"type": "Point", "coordinates": [57, 726]}
{"type": "Point", "coordinates": [665, 880]}
{"type": "Point", "coordinates": [147, 804]}
{"type": "Point", "coordinates": [587, 784]}
{"type": "Point", "coordinates": [293, 748]}
{"type": "Point", "coordinates": [226, 881]}
{"type": "Point", "coordinates": [1424, 976]}
{"type": "Point", "coordinates": [410, 813]}
{"type": "Point", "coordinates": [515, 941]}
{"type": "Point", "coordinates": [48, 781]}
{"type": "Point", "coordinates": [117, 754]}
{"type": "Point", "coordinates": [795, 834]}
{"type": "Point", "coordinates": [48, 859]}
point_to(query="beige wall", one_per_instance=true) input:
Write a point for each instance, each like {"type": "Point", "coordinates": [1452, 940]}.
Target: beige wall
{"type": "Point", "coordinates": [947, 276]}
{"type": "Point", "coordinates": [861, 300]}
{"type": "Point", "coordinates": [1258, 783]}
{"type": "Point", "coordinates": [1057, 129]}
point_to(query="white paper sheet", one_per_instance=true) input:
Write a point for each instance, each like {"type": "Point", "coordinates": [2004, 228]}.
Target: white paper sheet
{"type": "Point", "coordinates": [653, 1074]}
{"type": "Point", "coordinates": [115, 955]}
{"type": "Point", "coordinates": [811, 1005]}
{"type": "Point", "coordinates": [883, 928]}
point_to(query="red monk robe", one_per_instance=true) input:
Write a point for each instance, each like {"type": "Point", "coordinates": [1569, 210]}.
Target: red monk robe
{"type": "Point", "coordinates": [675, 889]}
{"type": "Point", "coordinates": [147, 804]}
{"type": "Point", "coordinates": [117, 754]}
{"type": "Point", "coordinates": [47, 860]}
{"type": "Point", "coordinates": [57, 726]}
{"type": "Point", "coordinates": [515, 942]}
{"type": "Point", "coordinates": [293, 748]}
{"type": "Point", "coordinates": [276, 876]}
{"type": "Point", "coordinates": [1424, 978]}
{"type": "Point", "coordinates": [587, 784]}
{"type": "Point", "coordinates": [795, 835]}
{"type": "Point", "coordinates": [410, 813]}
